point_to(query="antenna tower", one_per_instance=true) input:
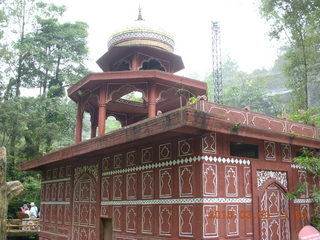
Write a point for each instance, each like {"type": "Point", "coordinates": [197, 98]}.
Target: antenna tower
{"type": "Point", "coordinates": [216, 95]}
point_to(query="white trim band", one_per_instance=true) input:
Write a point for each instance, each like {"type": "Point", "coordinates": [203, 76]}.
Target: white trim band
{"type": "Point", "coordinates": [177, 162]}
{"type": "Point", "coordinates": [303, 200]}
{"type": "Point", "coordinates": [178, 201]}
{"type": "Point", "coordinates": [56, 180]}
{"type": "Point", "coordinates": [55, 203]}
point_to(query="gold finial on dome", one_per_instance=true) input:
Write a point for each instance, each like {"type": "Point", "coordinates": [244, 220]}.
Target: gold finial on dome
{"type": "Point", "coordinates": [140, 16]}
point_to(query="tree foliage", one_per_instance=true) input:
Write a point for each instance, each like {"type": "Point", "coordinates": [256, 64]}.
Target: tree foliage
{"type": "Point", "coordinates": [299, 22]}
{"type": "Point", "coordinates": [309, 160]}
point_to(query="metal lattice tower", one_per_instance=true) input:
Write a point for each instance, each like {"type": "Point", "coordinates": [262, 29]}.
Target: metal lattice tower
{"type": "Point", "coordinates": [216, 95]}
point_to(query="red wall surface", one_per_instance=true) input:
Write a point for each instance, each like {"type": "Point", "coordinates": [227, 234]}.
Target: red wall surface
{"type": "Point", "coordinates": [187, 187]}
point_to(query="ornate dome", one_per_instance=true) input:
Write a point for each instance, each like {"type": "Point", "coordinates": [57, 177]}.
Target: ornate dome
{"type": "Point", "coordinates": [142, 33]}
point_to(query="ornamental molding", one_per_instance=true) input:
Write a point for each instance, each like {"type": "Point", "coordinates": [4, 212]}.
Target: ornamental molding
{"type": "Point", "coordinates": [178, 162]}
{"type": "Point", "coordinates": [263, 176]}
{"type": "Point", "coordinates": [303, 200]}
{"type": "Point", "coordinates": [178, 201]}
{"type": "Point", "coordinates": [296, 166]}
{"type": "Point", "coordinates": [55, 203]}
{"type": "Point", "coordinates": [56, 180]}
{"type": "Point", "coordinates": [92, 169]}
{"type": "Point", "coordinates": [144, 34]}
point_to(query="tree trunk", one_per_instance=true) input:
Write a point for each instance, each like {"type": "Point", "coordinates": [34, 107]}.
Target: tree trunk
{"type": "Point", "coordinates": [3, 194]}
{"type": "Point", "coordinates": [7, 192]}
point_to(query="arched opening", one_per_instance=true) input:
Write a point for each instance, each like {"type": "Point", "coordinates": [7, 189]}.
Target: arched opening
{"type": "Point", "coordinates": [112, 124]}
{"type": "Point", "coordinates": [273, 213]}
{"type": "Point", "coordinates": [152, 64]}
{"type": "Point", "coordinates": [134, 96]}
{"type": "Point", "coordinates": [84, 206]}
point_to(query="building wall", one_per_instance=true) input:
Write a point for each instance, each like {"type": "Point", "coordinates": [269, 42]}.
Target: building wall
{"type": "Point", "coordinates": [187, 187]}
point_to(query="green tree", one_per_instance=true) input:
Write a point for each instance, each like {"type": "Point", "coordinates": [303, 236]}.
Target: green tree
{"type": "Point", "coordinates": [299, 21]}
{"type": "Point", "coordinates": [59, 54]}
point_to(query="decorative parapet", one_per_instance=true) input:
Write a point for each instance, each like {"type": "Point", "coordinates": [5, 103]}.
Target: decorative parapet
{"type": "Point", "coordinates": [246, 117]}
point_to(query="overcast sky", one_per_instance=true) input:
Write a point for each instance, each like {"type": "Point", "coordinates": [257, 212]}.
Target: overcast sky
{"type": "Point", "coordinates": [244, 35]}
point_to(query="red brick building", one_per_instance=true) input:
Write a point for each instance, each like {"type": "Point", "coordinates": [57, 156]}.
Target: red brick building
{"type": "Point", "coordinates": [174, 170]}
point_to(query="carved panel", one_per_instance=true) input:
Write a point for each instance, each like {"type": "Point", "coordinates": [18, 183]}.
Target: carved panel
{"type": "Point", "coordinates": [117, 187]}
{"type": "Point", "coordinates": [131, 158]}
{"type": "Point", "coordinates": [304, 214]}
{"type": "Point", "coordinates": [48, 191]}
{"type": "Point", "coordinates": [105, 211]}
{"type": "Point", "coordinates": [185, 147]}
{"type": "Point", "coordinates": [131, 219]}
{"type": "Point", "coordinates": [165, 151]}
{"type": "Point", "coordinates": [210, 223]}
{"type": "Point", "coordinates": [302, 176]}
{"type": "Point", "coordinates": [165, 220]}
{"type": "Point", "coordinates": [147, 184]}
{"type": "Point", "coordinates": [60, 214]}
{"type": "Point", "coordinates": [106, 164]}
{"type": "Point", "coordinates": [186, 181]}
{"type": "Point", "coordinates": [55, 173]}
{"type": "Point", "coordinates": [67, 214]}
{"type": "Point", "coordinates": [60, 191]}
{"type": "Point", "coordinates": [131, 186]}
{"type": "Point", "coordinates": [274, 214]}
{"type": "Point", "coordinates": [117, 219]}
{"type": "Point", "coordinates": [209, 143]}
{"type": "Point", "coordinates": [53, 191]}
{"type": "Point", "coordinates": [53, 214]}
{"type": "Point", "coordinates": [62, 172]}
{"type": "Point", "coordinates": [232, 222]}
{"type": "Point", "coordinates": [117, 159]}
{"type": "Point", "coordinates": [270, 150]}
{"type": "Point", "coordinates": [286, 152]}
{"type": "Point", "coordinates": [48, 175]}
{"type": "Point", "coordinates": [165, 178]}
{"type": "Point", "coordinates": [185, 220]}
{"type": "Point", "coordinates": [231, 179]}
{"type": "Point", "coordinates": [84, 213]}
{"type": "Point", "coordinates": [264, 175]}
{"type": "Point", "coordinates": [248, 219]}
{"type": "Point", "coordinates": [210, 179]}
{"type": "Point", "coordinates": [68, 171]}
{"type": "Point", "coordinates": [147, 155]}
{"type": "Point", "coordinates": [92, 214]}
{"type": "Point", "coordinates": [67, 191]}
{"type": "Point", "coordinates": [147, 219]}
{"type": "Point", "coordinates": [247, 181]}
{"type": "Point", "coordinates": [105, 188]}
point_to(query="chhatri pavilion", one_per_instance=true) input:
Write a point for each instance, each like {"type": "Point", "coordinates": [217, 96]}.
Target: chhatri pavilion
{"type": "Point", "coordinates": [173, 170]}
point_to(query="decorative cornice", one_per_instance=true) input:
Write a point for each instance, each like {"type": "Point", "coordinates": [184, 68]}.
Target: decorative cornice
{"type": "Point", "coordinates": [56, 180]}
{"type": "Point", "coordinates": [178, 201]}
{"type": "Point", "coordinates": [177, 162]}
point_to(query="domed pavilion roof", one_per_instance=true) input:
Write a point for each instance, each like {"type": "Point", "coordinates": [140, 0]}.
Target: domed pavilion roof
{"type": "Point", "coordinates": [142, 33]}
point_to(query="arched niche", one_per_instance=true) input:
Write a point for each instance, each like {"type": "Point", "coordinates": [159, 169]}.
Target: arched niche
{"type": "Point", "coordinates": [125, 90]}
{"type": "Point", "coordinates": [152, 64]}
{"type": "Point", "coordinates": [112, 123]}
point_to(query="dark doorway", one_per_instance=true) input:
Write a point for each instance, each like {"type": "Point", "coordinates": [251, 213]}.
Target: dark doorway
{"type": "Point", "coordinates": [107, 228]}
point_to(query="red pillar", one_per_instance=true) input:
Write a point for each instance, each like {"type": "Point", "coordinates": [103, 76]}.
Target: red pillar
{"type": "Point", "coordinates": [152, 100]}
{"type": "Point", "coordinates": [79, 122]}
{"type": "Point", "coordinates": [94, 123]}
{"type": "Point", "coordinates": [135, 63]}
{"type": "Point", "coordinates": [102, 111]}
